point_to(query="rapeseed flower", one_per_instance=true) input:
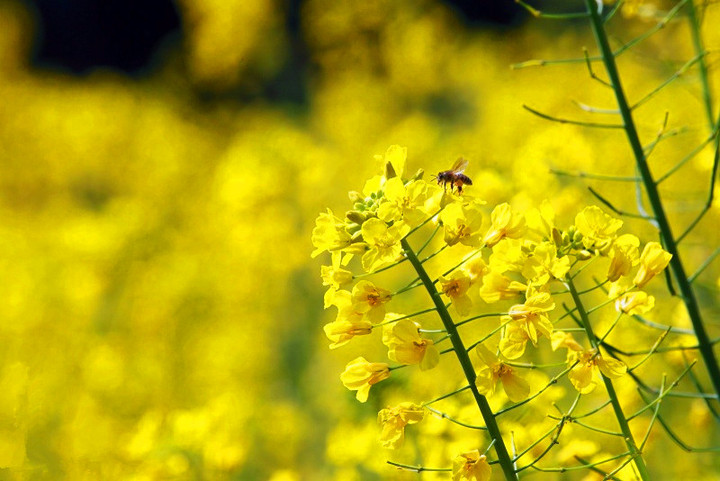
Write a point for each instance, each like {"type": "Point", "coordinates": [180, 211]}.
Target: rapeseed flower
{"type": "Point", "coordinates": [393, 422]}
{"type": "Point", "coordinates": [406, 346]}
{"type": "Point", "coordinates": [505, 223]}
{"type": "Point", "coordinates": [623, 256]}
{"type": "Point", "coordinates": [456, 286]}
{"type": "Point", "coordinates": [491, 370]}
{"type": "Point", "coordinates": [637, 302]}
{"type": "Point", "coordinates": [383, 242]}
{"type": "Point", "coordinates": [329, 234]}
{"type": "Point", "coordinates": [497, 287]}
{"type": "Point", "coordinates": [528, 321]}
{"type": "Point", "coordinates": [462, 223]}
{"type": "Point", "coordinates": [544, 265]}
{"type": "Point", "coordinates": [652, 262]}
{"type": "Point", "coordinates": [584, 374]}
{"type": "Point", "coordinates": [404, 202]}
{"type": "Point", "coordinates": [597, 228]}
{"type": "Point", "coordinates": [471, 466]}
{"type": "Point", "coordinates": [360, 375]}
{"type": "Point", "coordinates": [334, 277]}
{"type": "Point", "coordinates": [341, 331]}
{"type": "Point", "coordinates": [370, 300]}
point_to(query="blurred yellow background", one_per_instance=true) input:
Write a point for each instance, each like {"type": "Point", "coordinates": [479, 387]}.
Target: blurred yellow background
{"type": "Point", "coordinates": [161, 316]}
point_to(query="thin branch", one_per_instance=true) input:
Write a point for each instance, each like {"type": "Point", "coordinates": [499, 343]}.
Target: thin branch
{"type": "Point", "coordinates": [572, 122]}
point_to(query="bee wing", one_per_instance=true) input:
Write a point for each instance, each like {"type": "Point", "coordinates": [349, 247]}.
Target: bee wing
{"type": "Point", "coordinates": [460, 165]}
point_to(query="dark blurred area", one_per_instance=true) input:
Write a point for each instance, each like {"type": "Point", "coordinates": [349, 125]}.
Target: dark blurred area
{"type": "Point", "coordinates": [81, 35]}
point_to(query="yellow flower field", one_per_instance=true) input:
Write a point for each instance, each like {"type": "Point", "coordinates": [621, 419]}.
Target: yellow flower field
{"type": "Point", "coordinates": [209, 264]}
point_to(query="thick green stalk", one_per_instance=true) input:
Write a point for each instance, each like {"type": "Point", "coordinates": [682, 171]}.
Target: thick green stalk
{"type": "Point", "coordinates": [619, 414]}
{"type": "Point", "coordinates": [464, 359]}
{"type": "Point", "coordinates": [670, 244]}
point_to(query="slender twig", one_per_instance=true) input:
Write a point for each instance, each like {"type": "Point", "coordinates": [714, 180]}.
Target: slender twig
{"type": "Point", "coordinates": [572, 122]}
{"type": "Point", "coordinates": [615, 209]}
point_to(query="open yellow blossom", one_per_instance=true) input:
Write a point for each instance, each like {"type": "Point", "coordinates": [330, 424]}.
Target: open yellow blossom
{"type": "Point", "coordinates": [508, 255]}
{"type": "Point", "coordinates": [348, 323]}
{"type": "Point", "coordinates": [383, 242]}
{"type": "Point", "coordinates": [471, 466]}
{"type": "Point", "coordinates": [360, 375]}
{"type": "Point", "coordinates": [462, 223]}
{"type": "Point", "coordinates": [637, 302]}
{"type": "Point", "coordinates": [514, 340]}
{"type": "Point", "coordinates": [623, 256]}
{"type": "Point", "coordinates": [598, 228]}
{"type": "Point", "coordinates": [393, 422]}
{"type": "Point", "coordinates": [403, 202]}
{"type": "Point", "coordinates": [329, 234]}
{"type": "Point", "coordinates": [544, 265]}
{"type": "Point", "coordinates": [505, 223]}
{"type": "Point", "coordinates": [532, 315]}
{"type": "Point", "coordinates": [491, 370]}
{"type": "Point", "coordinates": [341, 331]}
{"type": "Point", "coordinates": [652, 262]}
{"type": "Point", "coordinates": [456, 286]}
{"type": "Point", "coordinates": [497, 287]}
{"type": "Point", "coordinates": [585, 373]}
{"type": "Point", "coordinates": [370, 300]}
{"type": "Point", "coordinates": [334, 276]}
{"type": "Point", "coordinates": [528, 321]}
{"type": "Point", "coordinates": [406, 346]}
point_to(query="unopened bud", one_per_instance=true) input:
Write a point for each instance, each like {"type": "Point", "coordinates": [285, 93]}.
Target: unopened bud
{"type": "Point", "coordinates": [584, 255]}
{"type": "Point", "coordinates": [355, 216]}
{"type": "Point", "coordinates": [355, 196]}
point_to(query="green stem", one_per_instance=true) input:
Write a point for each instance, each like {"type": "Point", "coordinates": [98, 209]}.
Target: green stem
{"type": "Point", "coordinates": [614, 401]}
{"type": "Point", "coordinates": [464, 359]}
{"type": "Point", "coordinates": [700, 52]}
{"type": "Point", "coordinates": [676, 265]}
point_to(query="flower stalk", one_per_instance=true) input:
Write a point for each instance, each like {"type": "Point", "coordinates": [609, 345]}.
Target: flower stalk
{"type": "Point", "coordinates": [614, 401]}
{"type": "Point", "coordinates": [464, 359]}
{"type": "Point", "coordinates": [651, 188]}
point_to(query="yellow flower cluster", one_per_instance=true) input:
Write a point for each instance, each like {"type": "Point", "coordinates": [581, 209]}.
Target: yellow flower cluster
{"type": "Point", "coordinates": [510, 256]}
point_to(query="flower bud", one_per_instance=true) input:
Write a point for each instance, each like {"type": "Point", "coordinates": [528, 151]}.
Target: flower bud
{"type": "Point", "coordinates": [355, 216]}
{"type": "Point", "coordinates": [584, 255]}
{"type": "Point", "coordinates": [355, 196]}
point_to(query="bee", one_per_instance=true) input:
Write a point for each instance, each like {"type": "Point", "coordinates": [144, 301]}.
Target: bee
{"type": "Point", "coordinates": [454, 176]}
